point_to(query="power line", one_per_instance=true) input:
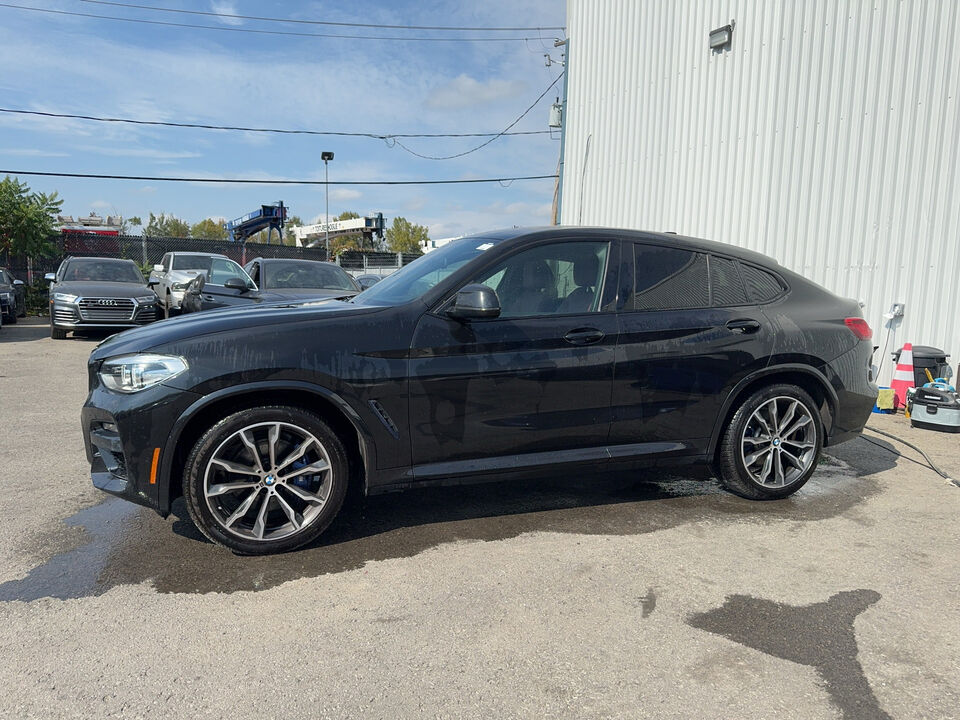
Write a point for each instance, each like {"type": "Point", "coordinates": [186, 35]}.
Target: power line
{"type": "Point", "coordinates": [253, 181]}
{"type": "Point", "coordinates": [490, 140]}
{"type": "Point", "coordinates": [321, 22]}
{"type": "Point", "coordinates": [261, 32]}
{"type": "Point", "coordinates": [203, 126]}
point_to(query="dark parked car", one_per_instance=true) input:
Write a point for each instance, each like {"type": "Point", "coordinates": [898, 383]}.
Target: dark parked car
{"type": "Point", "coordinates": [367, 281]}
{"type": "Point", "coordinates": [266, 280]}
{"type": "Point", "coordinates": [13, 302]}
{"type": "Point", "coordinates": [504, 356]}
{"type": "Point", "coordinates": [294, 279]}
{"type": "Point", "coordinates": [98, 293]}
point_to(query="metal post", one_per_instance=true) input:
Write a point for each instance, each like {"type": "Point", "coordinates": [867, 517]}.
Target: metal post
{"type": "Point", "coordinates": [326, 193]}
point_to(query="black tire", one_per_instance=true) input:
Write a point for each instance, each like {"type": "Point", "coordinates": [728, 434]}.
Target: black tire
{"type": "Point", "coordinates": [220, 434]}
{"type": "Point", "coordinates": [57, 333]}
{"type": "Point", "coordinates": [11, 319]}
{"type": "Point", "coordinates": [734, 474]}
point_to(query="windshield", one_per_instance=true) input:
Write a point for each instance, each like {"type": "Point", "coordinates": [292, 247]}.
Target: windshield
{"type": "Point", "coordinates": [102, 271]}
{"type": "Point", "coordinates": [413, 280]}
{"type": "Point", "coordinates": [304, 274]}
{"type": "Point", "coordinates": [191, 262]}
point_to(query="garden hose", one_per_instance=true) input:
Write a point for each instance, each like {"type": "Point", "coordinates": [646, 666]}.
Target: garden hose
{"type": "Point", "coordinates": [926, 457]}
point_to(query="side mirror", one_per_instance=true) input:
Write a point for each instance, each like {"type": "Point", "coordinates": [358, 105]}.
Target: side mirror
{"type": "Point", "coordinates": [18, 282]}
{"type": "Point", "coordinates": [475, 301]}
{"type": "Point", "coordinates": [152, 282]}
{"type": "Point", "coordinates": [158, 268]}
{"type": "Point", "coordinates": [236, 283]}
{"type": "Point", "coordinates": [50, 277]}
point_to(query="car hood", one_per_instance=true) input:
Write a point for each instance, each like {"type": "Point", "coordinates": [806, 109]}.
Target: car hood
{"type": "Point", "coordinates": [224, 320]}
{"type": "Point", "coordinates": [103, 289]}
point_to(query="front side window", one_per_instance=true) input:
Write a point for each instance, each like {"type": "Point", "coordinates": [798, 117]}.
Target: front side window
{"type": "Point", "coordinates": [222, 270]}
{"type": "Point", "coordinates": [668, 278]}
{"type": "Point", "coordinates": [558, 279]}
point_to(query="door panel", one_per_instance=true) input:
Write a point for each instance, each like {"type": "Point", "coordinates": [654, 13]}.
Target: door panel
{"type": "Point", "coordinates": [535, 380]}
{"type": "Point", "coordinates": [500, 387]}
{"type": "Point", "coordinates": [676, 366]}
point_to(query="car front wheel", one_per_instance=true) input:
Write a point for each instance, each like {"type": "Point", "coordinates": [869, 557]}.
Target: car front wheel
{"type": "Point", "coordinates": [266, 480]}
{"type": "Point", "coordinates": [772, 445]}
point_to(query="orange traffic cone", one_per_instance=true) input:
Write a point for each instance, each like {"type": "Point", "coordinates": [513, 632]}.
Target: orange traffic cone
{"type": "Point", "coordinates": [903, 375]}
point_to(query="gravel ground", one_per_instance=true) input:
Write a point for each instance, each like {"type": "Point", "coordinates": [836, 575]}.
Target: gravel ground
{"type": "Point", "coordinates": [612, 596]}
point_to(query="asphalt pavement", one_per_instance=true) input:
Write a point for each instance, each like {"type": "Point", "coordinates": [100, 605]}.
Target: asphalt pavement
{"type": "Point", "coordinates": [584, 596]}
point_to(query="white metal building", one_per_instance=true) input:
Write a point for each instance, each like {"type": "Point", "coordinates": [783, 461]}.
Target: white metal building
{"type": "Point", "coordinates": [826, 134]}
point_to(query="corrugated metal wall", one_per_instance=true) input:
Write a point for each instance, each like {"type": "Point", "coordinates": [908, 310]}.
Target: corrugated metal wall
{"type": "Point", "coordinates": [827, 137]}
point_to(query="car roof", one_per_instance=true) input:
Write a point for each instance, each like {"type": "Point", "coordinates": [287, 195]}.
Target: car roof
{"type": "Point", "coordinates": [665, 238]}
{"type": "Point", "coordinates": [197, 252]}
{"type": "Point", "coordinates": [98, 259]}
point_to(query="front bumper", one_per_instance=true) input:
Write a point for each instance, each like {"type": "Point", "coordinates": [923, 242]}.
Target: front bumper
{"type": "Point", "coordinates": [78, 315]}
{"type": "Point", "coordinates": [125, 438]}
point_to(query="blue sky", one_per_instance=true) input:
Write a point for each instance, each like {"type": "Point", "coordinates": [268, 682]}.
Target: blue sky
{"type": "Point", "coordinates": [100, 67]}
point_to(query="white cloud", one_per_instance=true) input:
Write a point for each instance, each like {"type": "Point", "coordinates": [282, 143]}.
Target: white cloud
{"type": "Point", "coordinates": [464, 91]}
{"type": "Point", "coordinates": [101, 205]}
{"type": "Point", "coordinates": [227, 8]}
{"type": "Point", "coordinates": [345, 194]}
{"type": "Point", "coordinates": [148, 153]}
{"type": "Point", "coordinates": [32, 152]}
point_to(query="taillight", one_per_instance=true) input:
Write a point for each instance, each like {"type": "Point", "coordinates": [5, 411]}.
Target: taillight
{"type": "Point", "coordinates": [859, 327]}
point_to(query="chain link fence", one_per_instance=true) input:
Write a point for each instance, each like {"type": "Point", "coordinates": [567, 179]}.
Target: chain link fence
{"type": "Point", "coordinates": [148, 251]}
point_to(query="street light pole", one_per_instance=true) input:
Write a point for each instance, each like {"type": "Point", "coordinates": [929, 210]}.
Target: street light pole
{"type": "Point", "coordinates": [326, 156]}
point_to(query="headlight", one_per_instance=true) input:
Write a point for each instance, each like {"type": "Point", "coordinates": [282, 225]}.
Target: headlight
{"type": "Point", "coordinates": [179, 286]}
{"type": "Point", "coordinates": [132, 373]}
{"type": "Point", "coordinates": [65, 297]}
{"type": "Point", "coordinates": [146, 299]}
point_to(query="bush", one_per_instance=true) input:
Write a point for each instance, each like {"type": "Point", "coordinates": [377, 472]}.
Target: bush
{"type": "Point", "coordinates": [38, 297]}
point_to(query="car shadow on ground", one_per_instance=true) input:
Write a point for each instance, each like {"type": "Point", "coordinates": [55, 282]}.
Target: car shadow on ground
{"type": "Point", "coordinates": [117, 543]}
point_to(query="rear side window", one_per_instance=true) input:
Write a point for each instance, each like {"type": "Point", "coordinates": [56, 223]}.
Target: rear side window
{"type": "Point", "coordinates": [725, 282]}
{"type": "Point", "coordinates": [761, 285]}
{"type": "Point", "coordinates": [669, 279]}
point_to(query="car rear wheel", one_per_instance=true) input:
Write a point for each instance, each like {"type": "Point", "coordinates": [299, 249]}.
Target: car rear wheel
{"type": "Point", "coordinates": [266, 480]}
{"type": "Point", "coordinates": [772, 445]}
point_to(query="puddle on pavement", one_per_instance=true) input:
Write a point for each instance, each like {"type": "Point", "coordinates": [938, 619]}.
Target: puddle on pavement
{"type": "Point", "coordinates": [819, 635]}
{"type": "Point", "coordinates": [126, 544]}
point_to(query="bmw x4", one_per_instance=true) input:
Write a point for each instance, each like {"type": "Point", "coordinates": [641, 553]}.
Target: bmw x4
{"type": "Point", "coordinates": [503, 356]}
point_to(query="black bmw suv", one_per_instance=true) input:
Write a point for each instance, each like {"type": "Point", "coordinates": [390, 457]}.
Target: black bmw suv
{"type": "Point", "coordinates": [506, 355]}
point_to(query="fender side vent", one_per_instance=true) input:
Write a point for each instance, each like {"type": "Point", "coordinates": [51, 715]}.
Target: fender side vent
{"type": "Point", "coordinates": [385, 419]}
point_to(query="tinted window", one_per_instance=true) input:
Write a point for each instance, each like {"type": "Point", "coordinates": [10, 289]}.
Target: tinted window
{"type": "Point", "coordinates": [761, 285]}
{"type": "Point", "coordinates": [669, 279]}
{"type": "Point", "coordinates": [191, 262]}
{"type": "Point", "coordinates": [725, 282]}
{"type": "Point", "coordinates": [96, 270]}
{"type": "Point", "coordinates": [561, 279]}
{"type": "Point", "coordinates": [304, 274]}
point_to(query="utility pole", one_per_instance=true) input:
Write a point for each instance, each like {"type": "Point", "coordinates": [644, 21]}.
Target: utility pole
{"type": "Point", "coordinates": [326, 156]}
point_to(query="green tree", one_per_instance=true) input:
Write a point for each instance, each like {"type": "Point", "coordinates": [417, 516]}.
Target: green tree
{"type": "Point", "coordinates": [164, 225]}
{"type": "Point", "coordinates": [26, 219]}
{"type": "Point", "coordinates": [405, 236]}
{"type": "Point", "coordinates": [209, 229]}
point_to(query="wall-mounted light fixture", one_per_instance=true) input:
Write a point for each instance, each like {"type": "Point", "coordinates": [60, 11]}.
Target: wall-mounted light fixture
{"type": "Point", "coordinates": [722, 37]}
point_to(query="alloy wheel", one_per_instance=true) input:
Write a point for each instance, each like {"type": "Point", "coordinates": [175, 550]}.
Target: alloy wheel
{"type": "Point", "coordinates": [779, 442]}
{"type": "Point", "coordinates": [268, 481]}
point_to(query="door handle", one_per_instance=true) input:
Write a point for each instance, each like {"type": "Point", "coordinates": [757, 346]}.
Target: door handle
{"type": "Point", "coordinates": [744, 327]}
{"type": "Point", "coordinates": [584, 336]}
{"type": "Point", "coordinates": [208, 298]}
